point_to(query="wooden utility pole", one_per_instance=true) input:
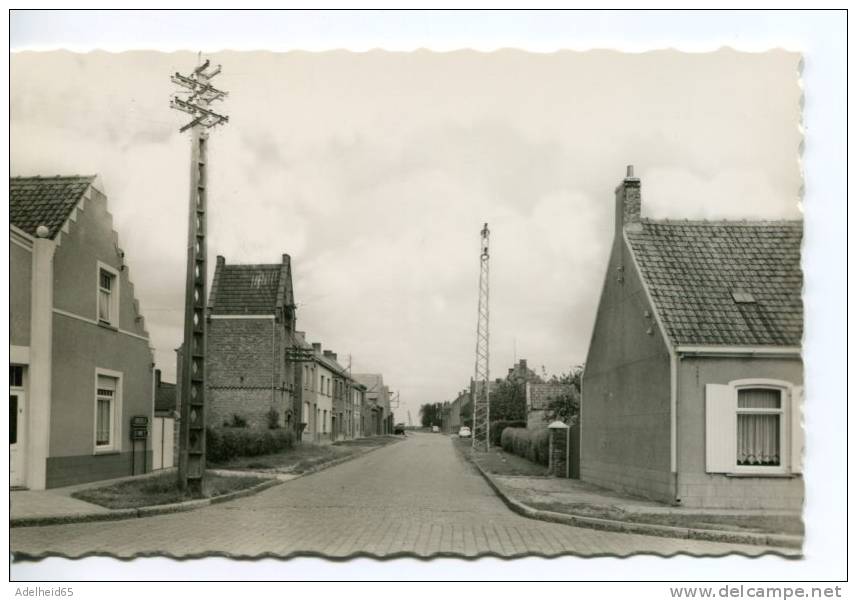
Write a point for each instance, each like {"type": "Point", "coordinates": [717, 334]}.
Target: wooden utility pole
{"type": "Point", "coordinates": [200, 94]}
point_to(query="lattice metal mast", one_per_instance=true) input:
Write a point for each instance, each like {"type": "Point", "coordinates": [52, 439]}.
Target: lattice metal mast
{"type": "Point", "coordinates": [200, 94]}
{"type": "Point", "coordinates": [481, 408]}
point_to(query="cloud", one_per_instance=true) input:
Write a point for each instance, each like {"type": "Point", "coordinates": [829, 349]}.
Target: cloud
{"type": "Point", "coordinates": [376, 171]}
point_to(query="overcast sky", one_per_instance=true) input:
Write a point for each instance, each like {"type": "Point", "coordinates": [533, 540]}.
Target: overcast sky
{"type": "Point", "coordinates": [375, 172]}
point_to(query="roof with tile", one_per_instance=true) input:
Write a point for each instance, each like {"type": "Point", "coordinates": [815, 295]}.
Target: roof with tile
{"type": "Point", "coordinates": [251, 289]}
{"type": "Point", "coordinates": [48, 201]}
{"type": "Point", "coordinates": [735, 283]}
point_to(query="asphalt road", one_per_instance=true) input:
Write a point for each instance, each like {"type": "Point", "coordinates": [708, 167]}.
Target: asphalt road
{"type": "Point", "coordinates": [415, 497]}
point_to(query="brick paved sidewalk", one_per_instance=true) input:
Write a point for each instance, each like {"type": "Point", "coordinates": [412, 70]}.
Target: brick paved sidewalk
{"type": "Point", "coordinates": [58, 502]}
{"type": "Point", "coordinates": [577, 498]}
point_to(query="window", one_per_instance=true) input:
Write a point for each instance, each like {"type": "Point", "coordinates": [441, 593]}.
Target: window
{"type": "Point", "coordinates": [760, 419]}
{"type": "Point", "coordinates": [324, 422]}
{"type": "Point", "coordinates": [16, 376]}
{"type": "Point", "coordinates": [108, 295]}
{"type": "Point", "coordinates": [753, 427]}
{"type": "Point", "coordinates": [306, 377]}
{"type": "Point", "coordinates": [107, 411]}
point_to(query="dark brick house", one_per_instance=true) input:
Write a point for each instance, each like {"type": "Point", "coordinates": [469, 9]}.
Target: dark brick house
{"type": "Point", "coordinates": [251, 315]}
{"type": "Point", "coordinates": [693, 384]}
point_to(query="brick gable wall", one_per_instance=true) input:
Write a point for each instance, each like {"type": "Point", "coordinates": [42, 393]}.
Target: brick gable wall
{"type": "Point", "coordinates": [245, 373]}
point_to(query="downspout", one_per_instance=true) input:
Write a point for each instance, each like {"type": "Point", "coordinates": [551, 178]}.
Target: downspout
{"type": "Point", "coordinates": [674, 423]}
{"type": "Point", "coordinates": [274, 363]}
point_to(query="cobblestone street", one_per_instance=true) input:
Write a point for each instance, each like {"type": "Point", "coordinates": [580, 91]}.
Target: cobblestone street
{"type": "Point", "coordinates": [416, 497]}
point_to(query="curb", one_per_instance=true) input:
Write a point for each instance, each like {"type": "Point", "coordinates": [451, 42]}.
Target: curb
{"type": "Point", "coordinates": [726, 536]}
{"type": "Point", "coordinates": [139, 512]}
{"type": "Point", "coordinates": [333, 462]}
{"type": "Point", "coordinates": [152, 510]}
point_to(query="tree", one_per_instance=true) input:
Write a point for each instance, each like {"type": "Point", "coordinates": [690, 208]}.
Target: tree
{"type": "Point", "coordinates": [431, 414]}
{"type": "Point", "coordinates": [566, 407]}
{"type": "Point", "coordinates": [508, 401]}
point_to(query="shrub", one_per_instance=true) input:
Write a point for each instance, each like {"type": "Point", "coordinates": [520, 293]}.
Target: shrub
{"type": "Point", "coordinates": [223, 444]}
{"type": "Point", "coordinates": [273, 418]}
{"type": "Point", "coordinates": [498, 426]}
{"type": "Point", "coordinates": [237, 422]}
{"type": "Point", "coordinates": [533, 445]}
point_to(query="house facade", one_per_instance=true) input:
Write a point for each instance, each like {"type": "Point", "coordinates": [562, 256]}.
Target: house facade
{"type": "Point", "coordinates": [81, 365]}
{"type": "Point", "coordinates": [453, 419]}
{"type": "Point", "coordinates": [251, 326]}
{"type": "Point", "coordinates": [357, 393]}
{"type": "Point", "coordinates": [693, 384]}
{"type": "Point", "coordinates": [316, 394]}
{"type": "Point", "coordinates": [377, 416]}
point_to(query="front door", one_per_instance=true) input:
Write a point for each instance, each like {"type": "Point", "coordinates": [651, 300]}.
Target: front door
{"type": "Point", "coordinates": [17, 421]}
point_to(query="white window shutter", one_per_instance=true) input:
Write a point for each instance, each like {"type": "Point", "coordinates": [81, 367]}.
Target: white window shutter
{"type": "Point", "coordinates": [720, 428]}
{"type": "Point", "coordinates": [797, 430]}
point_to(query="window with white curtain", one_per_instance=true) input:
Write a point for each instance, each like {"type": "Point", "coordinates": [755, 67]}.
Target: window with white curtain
{"type": "Point", "coordinates": [107, 411]}
{"type": "Point", "coordinates": [760, 421]}
{"type": "Point", "coordinates": [753, 426]}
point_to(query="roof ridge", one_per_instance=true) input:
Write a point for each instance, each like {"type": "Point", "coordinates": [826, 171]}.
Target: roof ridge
{"type": "Point", "coordinates": [252, 265]}
{"type": "Point", "coordinates": [715, 222]}
{"type": "Point", "coordinates": [50, 177]}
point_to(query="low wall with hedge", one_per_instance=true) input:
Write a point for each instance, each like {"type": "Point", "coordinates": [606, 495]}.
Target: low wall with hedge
{"type": "Point", "coordinates": [533, 445]}
{"type": "Point", "coordinates": [223, 444]}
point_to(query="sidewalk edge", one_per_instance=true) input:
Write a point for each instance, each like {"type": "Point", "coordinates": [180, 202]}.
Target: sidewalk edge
{"type": "Point", "coordinates": [152, 510]}
{"type": "Point", "coordinates": [728, 536]}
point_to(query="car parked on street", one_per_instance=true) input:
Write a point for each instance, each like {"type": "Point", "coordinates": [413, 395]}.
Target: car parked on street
{"type": "Point", "coordinates": [464, 432]}
{"type": "Point", "coordinates": [399, 429]}
{"type": "Point", "coordinates": [435, 429]}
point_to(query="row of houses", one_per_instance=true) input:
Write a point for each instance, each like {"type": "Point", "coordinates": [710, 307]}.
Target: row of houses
{"type": "Point", "coordinates": [264, 373]}
{"type": "Point", "coordinates": [536, 394]}
{"type": "Point", "coordinates": [692, 391]}
{"type": "Point", "coordinates": [82, 366]}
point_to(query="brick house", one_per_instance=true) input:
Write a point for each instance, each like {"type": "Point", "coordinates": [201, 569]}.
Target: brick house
{"type": "Point", "coordinates": [331, 400]}
{"type": "Point", "coordinates": [692, 388]}
{"type": "Point", "coordinates": [377, 415]}
{"type": "Point", "coordinates": [340, 407]}
{"type": "Point", "coordinates": [251, 324]}
{"type": "Point", "coordinates": [538, 397]}
{"type": "Point", "coordinates": [81, 364]}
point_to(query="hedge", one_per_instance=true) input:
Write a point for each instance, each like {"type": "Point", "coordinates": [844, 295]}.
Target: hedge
{"type": "Point", "coordinates": [530, 444]}
{"type": "Point", "coordinates": [498, 426]}
{"type": "Point", "coordinates": [223, 444]}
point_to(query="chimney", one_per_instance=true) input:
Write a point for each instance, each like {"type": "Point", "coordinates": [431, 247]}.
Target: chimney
{"type": "Point", "coordinates": [316, 346]}
{"type": "Point", "coordinates": [221, 260]}
{"type": "Point", "coordinates": [523, 364]}
{"type": "Point", "coordinates": [157, 379]}
{"type": "Point", "coordinates": [328, 354]}
{"type": "Point", "coordinates": [628, 202]}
